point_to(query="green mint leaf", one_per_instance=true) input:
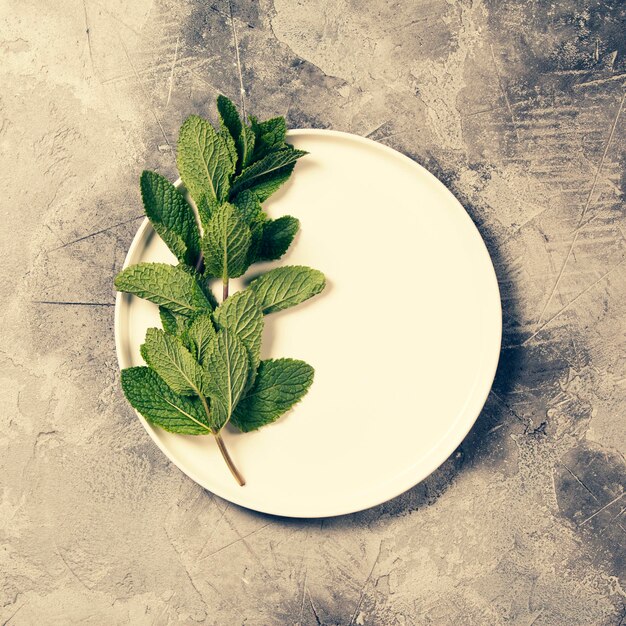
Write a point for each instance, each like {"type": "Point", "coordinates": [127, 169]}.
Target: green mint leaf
{"type": "Point", "coordinates": [225, 243]}
{"type": "Point", "coordinates": [246, 146]}
{"type": "Point", "coordinates": [277, 237]}
{"type": "Point", "coordinates": [269, 164]}
{"type": "Point", "coordinates": [269, 135]}
{"type": "Point", "coordinates": [249, 206]}
{"type": "Point", "coordinates": [204, 161]}
{"type": "Point", "coordinates": [229, 116]}
{"type": "Point", "coordinates": [231, 147]}
{"type": "Point", "coordinates": [171, 216]}
{"type": "Point", "coordinates": [231, 125]}
{"type": "Point", "coordinates": [166, 285]}
{"type": "Point", "coordinates": [256, 235]}
{"type": "Point", "coordinates": [202, 282]}
{"type": "Point", "coordinates": [227, 367]}
{"type": "Point", "coordinates": [148, 394]}
{"type": "Point", "coordinates": [172, 323]}
{"type": "Point", "coordinates": [168, 321]}
{"type": "Point", "coordinates": [173, 241]}
{"type": "Point", "coordinates": [199, 336]}
{"type": "Point", "coordinates": [242, 136]}
{"type": "Point", "coordinates": [168, 357]}
{"type": "Point", "coordinates": [206, 207]}
{"type": "Point", "coordinates": [265, 186]}
{"type": "Point", "coordinates": [287, 286]}
{"type": "Point", "coordinates": [280, 383]}
{"type": "Point", "coordinates": [241, 315]}
{"type": "Point", "coordinates": [252, 212]}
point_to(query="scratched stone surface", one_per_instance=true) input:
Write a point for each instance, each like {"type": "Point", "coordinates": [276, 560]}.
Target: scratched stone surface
{"type": "Point", "coordinates": [519, 108]}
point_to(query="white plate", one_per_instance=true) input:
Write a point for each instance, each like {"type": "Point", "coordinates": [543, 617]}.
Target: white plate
{"type": "Point", "coordinates": [404, 339]}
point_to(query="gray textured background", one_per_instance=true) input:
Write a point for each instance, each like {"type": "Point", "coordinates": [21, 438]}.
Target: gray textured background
{"type": "Point", "coordinates": [519, 108]}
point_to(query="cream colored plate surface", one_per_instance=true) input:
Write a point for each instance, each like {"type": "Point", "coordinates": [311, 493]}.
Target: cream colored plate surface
{"type": "Point", "coordinates": [404, 340]}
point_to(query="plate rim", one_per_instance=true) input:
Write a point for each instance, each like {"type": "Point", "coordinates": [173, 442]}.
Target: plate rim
{"type": "Point", "coordinates": [491, 364]}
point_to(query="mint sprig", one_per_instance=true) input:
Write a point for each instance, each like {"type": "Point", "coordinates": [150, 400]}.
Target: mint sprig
{"type": "Point", "coordinates": [203, 368]}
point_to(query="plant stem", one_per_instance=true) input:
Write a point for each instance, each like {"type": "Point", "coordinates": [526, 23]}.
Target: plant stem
{"type": "Point", "coordinates": [225, 290]}
{"type": "Point", "coordinates": [231, 466]}
{"type": "Point", "coordinates": [221, 445]}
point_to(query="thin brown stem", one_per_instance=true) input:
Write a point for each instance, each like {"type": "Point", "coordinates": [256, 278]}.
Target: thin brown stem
{"type": "Point", "coordinates": [231, 466]}
{"type": "Point", "coordinates": [222, 446]}
{"type": "Point", "coordinates": [225, 290]}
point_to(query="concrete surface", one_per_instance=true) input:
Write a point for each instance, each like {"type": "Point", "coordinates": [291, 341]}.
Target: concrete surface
{"type": "Point", "coordinates": [519, 108]}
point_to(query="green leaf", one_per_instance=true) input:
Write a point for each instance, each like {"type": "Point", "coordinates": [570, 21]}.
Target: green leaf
{"type": "Point", "coordinates": [269, 135]}
{"type": "Point", "coordinates": [265, 186]}
{"type": "Point", "coordinates": [169, 358]}
{"type": "Point", "coordinates": [277, 237]}
{"type": "Point", "coordinates": [199, 336]}
{"type": "Point", "coordinates": [230, 145]}
{"type": "Point", "coordinates": [241, 315]}
{"type": "Point", "coordinates": [229, 116]}
{"type": "Point", "coordinates": [252, 212]}
{"type": "Point", "coordinates": [168, 321]}
{"type": "Point", "coordinates": [225, 243]}
{"type": "Point", "coordinates": [280, 383]}
{"type": "Point", "coordinates": [204, 161]}
{"type": "Point", "coordinates": [249, 206]}
{"type": "Point", "coordinates": [172, 218]}
{"type": "Point", "coordinates": [151, 397]}
{"type": "Point", "coordinates": [166, 285]}
{"type": "Point", "coordinates": [201, 280]}
{"type": "Point", "coordinates": [267, 165]}
{"type": "Point", "coordinates": [206, 207]}
{"type": "Point", "coordinates": [172, 323]}
{"type": "Point", "coordinates": [227, 367]}
{"type": "Point", "coordinates": [245, 146]}
{"type": "Point", "coordinates": [242, 136]}
{"type": "Point", "coordinates": [231, 125]}
{"type": "Point", "coordinates": [173, 241]}
{"type": "Point", "coordinates": [287, 286]}
{"type": "Point", "coordinates": [256, 236]}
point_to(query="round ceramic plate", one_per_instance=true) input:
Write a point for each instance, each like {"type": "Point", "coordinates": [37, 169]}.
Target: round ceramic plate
{"type": "Point", "coordinates": [404, 339]}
